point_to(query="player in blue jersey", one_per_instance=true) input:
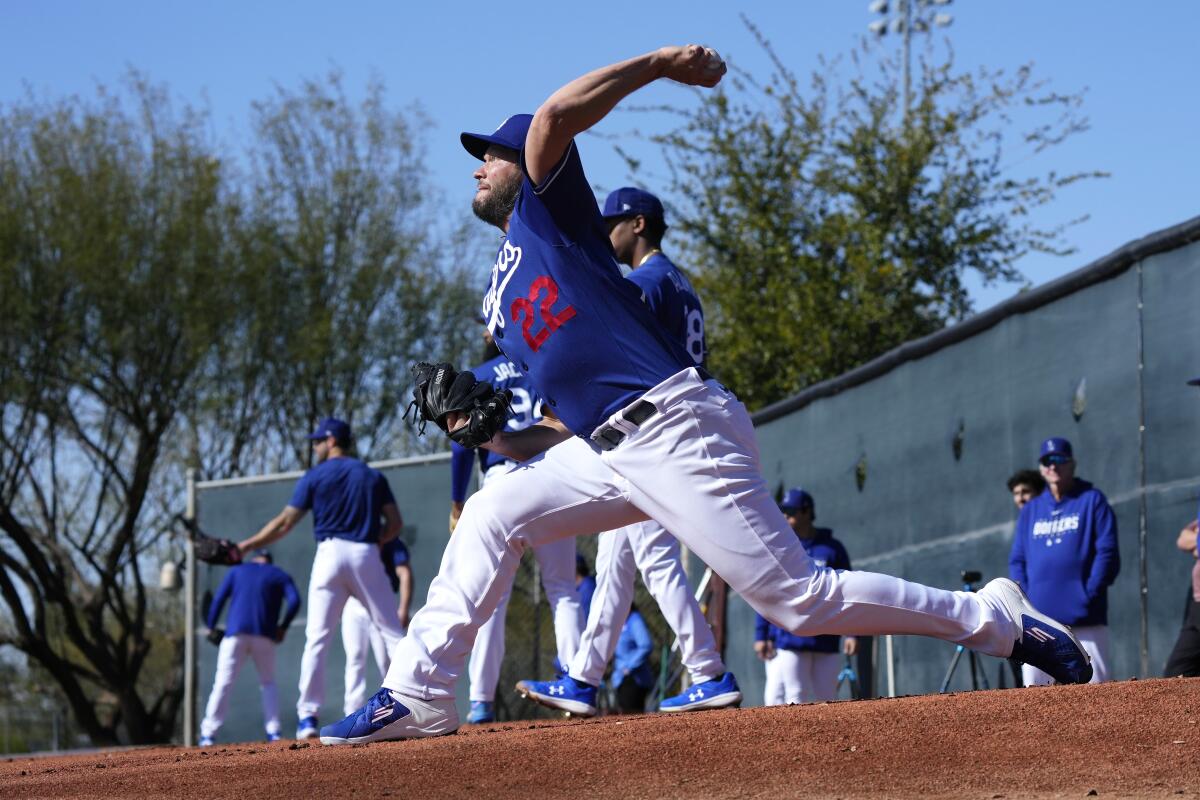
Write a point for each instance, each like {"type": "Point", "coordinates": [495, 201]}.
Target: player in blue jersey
{"type": "Point", "coordinates": [641, 433]}
{"type": "Point", "coordinates": [803, 669]}
{"type": "Point", "coordinates": [556, 560]}
{"type": "Point", "coordinates": [636, 224]}
{"type": "Point", "coordinates": [354, 513]}
{"type": "Point", "coordinates": [358, 633]}
{"type": "Point", "coordinates": [255, 590]}
{"type": "Point", "coordinates": [1065, 555]}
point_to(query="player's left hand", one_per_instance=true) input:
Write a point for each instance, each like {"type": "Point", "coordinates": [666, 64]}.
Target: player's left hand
{"type": "Point", "coordinates": [694, 65]}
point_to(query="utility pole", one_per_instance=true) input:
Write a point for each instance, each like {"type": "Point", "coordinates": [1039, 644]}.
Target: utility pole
{"type": "Point", "coordinates": [902, 23]}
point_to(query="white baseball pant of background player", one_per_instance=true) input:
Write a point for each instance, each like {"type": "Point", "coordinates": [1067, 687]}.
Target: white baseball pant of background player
{"type": "Point", "coordinates": [556, 561]}
{"type": "Point", "coordinates": [231, 654]}
{"type": "Point", "coordinates": [342, 569]}
{"type": "Point", "coordinates": [1094, 639]}
{"type": "Point", "coordinates": [644, 546]}
{"type": "Point", "coordinates": [694, 468]}
{"type": "Point", "coordinates": [359, 635]}
{"type": "Point", "coordinates": [801, 676]}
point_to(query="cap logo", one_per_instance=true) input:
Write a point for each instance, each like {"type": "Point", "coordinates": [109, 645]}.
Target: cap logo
{"type": "Point", "coordinates": [625, 206]}
{"type": "Point", "coordinates": [502, 124]}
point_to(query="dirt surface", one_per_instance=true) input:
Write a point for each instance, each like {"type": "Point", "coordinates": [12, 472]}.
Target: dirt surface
{"type": "Point", "coordinates": [1133, 739]}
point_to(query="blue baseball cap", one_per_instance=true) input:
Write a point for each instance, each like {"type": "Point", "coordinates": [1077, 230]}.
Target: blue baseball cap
{"type": "Point", "coordinates": [1055, 446]}
{"type": "Point", "coordinates": [797, 500]}
{"type": "Point", "coordinates": [630, 202]}
{"type": "Point", "coordinates": [263, 552]}
{"type": "Point", "coordinates": [331, 427]}
{"type": "Point", "coordinates": [510, 134]}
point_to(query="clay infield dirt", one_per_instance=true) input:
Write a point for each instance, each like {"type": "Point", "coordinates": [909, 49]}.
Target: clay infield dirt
{"type": "Point", "coordinates": [1130, 739]}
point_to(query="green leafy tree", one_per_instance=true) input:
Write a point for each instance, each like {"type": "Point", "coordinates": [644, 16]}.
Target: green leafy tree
{"type": "Point", "coordinates": [116, 275]}
{"type": "Point", "coordinates": [823, 231]}
{"type": "Point", "coordinates": [358, 277]}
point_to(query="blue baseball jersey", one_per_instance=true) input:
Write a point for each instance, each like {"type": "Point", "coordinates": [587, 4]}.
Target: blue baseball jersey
{"type": "Point", "coordinates": [394, 554]}
{"type": "Point", "coordinates": [669, 294]}
{"type": "Point", "coordinates": [255, 593]}
{"type": "Point", "coordinates": [825, 551]}
{"type": "Point", "coordinates": [560, 310]}
{"type": "Point", "coordinates": [346, 498]}
{"type": "Point", "coordinates": [525, 410]}
{"type": "Point", "coordinates": [1065, 554]}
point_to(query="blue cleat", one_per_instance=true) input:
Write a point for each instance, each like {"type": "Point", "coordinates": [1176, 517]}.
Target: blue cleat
{"type": "Point", "coordinates": [272, 737]}
{"type": "Point", "coordinates": [1043, 643]}
{"type": "Point", "coordinates": [481, 712]}
{"type": "Point", "coordinates": [565, 694]}
{"type": "Point", "coordinates": [205, 741]}
{"type": "Point", "coordinates": [307, 729]}
{"type": "Point", "coordinates": [388, 716]}
{"type": "Point", "coordinates": [719, 693]}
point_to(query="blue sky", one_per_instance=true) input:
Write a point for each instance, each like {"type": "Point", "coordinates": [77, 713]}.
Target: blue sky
{"type": "Point", "coordinates": [470, 64]}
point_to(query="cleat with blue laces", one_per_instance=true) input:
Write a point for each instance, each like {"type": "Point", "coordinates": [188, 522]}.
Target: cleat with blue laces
{"type": "Point", "coordinates": [565, 694]}
{"type": "Point", "coordinates": [1043, 643]}
{"type": "Point", "coordinates": [205, 741]}
{"type": "Point", "coordinates": [720, 693]}
{"type": "Point", "coordinates": [389, 716]}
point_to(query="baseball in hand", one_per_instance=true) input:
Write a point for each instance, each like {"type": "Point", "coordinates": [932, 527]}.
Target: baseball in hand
{"type": "Point", "coordinates": [696, 65]}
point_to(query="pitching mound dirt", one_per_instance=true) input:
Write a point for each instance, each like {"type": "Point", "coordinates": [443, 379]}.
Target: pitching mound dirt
{"type": "Point", "coordinates": [1133, 739]}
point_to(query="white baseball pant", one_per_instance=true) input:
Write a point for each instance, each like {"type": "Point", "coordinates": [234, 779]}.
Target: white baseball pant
{"type": "Point", "coordinates": [1095, 641]}
{"type": "Point", "coordinates": [801, 676]}
{"type": "Point", "coordinates": [556, 562]}
{"type": "Point", "coordinates": [342, 569]}
{"type": "Point", "coordinates": [693, 467]}
{"type": "Point", "coordinates": [231, 654]}
{"type": "Point", "coordinates": [358, 636]}
{"type": "Point", "coordinates": [644, 546]}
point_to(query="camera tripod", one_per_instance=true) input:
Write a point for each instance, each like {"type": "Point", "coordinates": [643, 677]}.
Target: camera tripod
{"type": "Point", "coordinates": [969, 579]}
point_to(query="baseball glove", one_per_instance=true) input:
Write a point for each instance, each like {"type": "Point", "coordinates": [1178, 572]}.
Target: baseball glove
{"type": "Point", "coordinates": [215, 635]}
{"type": "Point", "coordinates": [210, 549]}
{"type": "Point", "coordinates": [440, 390]}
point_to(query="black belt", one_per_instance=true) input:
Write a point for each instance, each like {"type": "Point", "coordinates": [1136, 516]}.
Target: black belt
{"type": "Point", "coordinates": [608, 436]}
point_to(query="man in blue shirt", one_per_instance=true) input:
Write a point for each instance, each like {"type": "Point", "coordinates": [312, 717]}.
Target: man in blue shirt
{"type": "Point", "coordinates": [641, 433]}
{"type": "Point", "coordinates": [359, 635]}
{"type": "Point", "coordinates": [631, 673]}
{"type": "Point", "coordinates": [255, 591]}
{"type": "Point", "coordinates": [803, 669]}
{"type": "Point", "coordinates": [1065, 555]}
{"type": "Point", "coordinates": [555, 559]}
{"type": "Point", "coordinates": [354, 513]}
{"type": "Point", "coordinates": [636, 224]}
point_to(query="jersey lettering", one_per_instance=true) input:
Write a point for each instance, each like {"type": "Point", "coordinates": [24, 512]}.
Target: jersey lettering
{"type": "Point", "coordinates": [507, 261]}
{"type": "Point", "coordinates": [522, 311]}
{"type": "Point", "coordinates": [524, 410]}
{"type": "Point", "coordinates": [694, 325]}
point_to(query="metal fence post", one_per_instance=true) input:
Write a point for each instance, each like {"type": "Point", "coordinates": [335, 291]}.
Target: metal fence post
{"type": "Point", "coordinates": [189, 623]}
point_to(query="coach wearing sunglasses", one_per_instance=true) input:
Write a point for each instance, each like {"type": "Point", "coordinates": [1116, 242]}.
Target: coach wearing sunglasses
{"type": "Point", "coordinates": [1065, 555]}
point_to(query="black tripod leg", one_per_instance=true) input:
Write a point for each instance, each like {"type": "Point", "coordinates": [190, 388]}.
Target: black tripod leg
{"type": "Point", "coordinates": [958, 651]}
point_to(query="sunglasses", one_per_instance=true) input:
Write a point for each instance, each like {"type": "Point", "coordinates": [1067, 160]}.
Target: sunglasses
{"type": "Point", "coordinates": [1055, 460]}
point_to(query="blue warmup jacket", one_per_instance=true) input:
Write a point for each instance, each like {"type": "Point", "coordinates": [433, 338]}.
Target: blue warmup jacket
{"type": "Point", "coordinates": [632, 656]}
{"type": "Point", "coordinates": [826, 551]}
{"type": "Point", "coordinates": [1065, 555]}
{"type": "Point", "coordinates": [255, 592]}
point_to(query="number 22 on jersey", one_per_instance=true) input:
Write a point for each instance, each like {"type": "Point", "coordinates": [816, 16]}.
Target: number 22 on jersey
{"type": "Point", "coordinates": [523, 311]}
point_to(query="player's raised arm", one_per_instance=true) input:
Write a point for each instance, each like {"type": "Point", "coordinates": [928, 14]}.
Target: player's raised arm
{"type": "Point", "coordinates": [586, 100]}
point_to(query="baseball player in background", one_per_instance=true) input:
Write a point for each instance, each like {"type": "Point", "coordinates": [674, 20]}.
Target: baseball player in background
{"type": "Point", "coordinates": [803, 669]}
{"type": "Point", "coordinates": [348, 500]}
{"type": "Point", "coordinates": [359, 635]}
{"type": "Point", "coordinates": [255, 591]}
{"type": "Point", "coordinates": [641, 433]}
{"type": "Point", "coordinates": [1065, 555]}
{"type": "Point", "coordinates": [636, 224]}
{"type": "Point", "coordinates": [556, 560]}
{"type": "Point", "coordinates": [1024, 485]}
{"type": "Point", "coordinates": [1185, 655]}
